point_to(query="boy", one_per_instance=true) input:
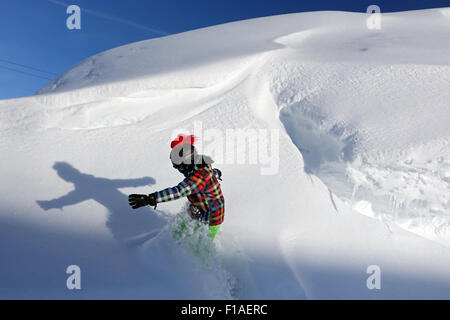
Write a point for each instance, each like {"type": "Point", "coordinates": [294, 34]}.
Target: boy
{"type": "Point", "coordinates": [200, 186]}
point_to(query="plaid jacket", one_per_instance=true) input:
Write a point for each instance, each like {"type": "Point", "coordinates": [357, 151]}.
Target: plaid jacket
{"type": "Point", "coordinates": [203, 190]}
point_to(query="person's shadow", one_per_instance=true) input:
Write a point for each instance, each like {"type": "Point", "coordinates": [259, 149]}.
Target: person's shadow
{"type": "Point", "coordinates": [132, 227]}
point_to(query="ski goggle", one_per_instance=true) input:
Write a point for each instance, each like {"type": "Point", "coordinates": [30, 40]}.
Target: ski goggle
{"type": "Point", "coordinates": [181, 167]}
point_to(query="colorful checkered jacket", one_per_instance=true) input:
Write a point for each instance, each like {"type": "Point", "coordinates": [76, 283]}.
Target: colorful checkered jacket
{"type": "Point", "coordinates": [202, 189]}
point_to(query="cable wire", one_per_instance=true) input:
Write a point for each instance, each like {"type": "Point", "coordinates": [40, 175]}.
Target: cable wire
{"type": "Point", "coordinates": [25, 66]}
{"type": "Point", "coordinates": [24, 72]}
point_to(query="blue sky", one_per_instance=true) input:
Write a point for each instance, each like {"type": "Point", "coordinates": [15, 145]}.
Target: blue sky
{"type": "Point", "coordinates": [35, 44]}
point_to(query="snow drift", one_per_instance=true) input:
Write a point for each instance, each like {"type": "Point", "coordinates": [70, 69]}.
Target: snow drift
{"type": "Point", "coordinates": [362, 179]}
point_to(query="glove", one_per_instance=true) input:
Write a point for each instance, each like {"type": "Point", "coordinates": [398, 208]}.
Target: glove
{"type": "Point", "coordinates": [197, 214]}
{"type": "Point", "coordinates": [141, 200]}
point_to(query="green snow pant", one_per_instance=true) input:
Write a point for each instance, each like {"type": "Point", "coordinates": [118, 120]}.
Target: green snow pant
{"type": "Point", "coordinates": [194, 240]}
{"type": "Point", "coordinates": [213, 231]}
{"type": "Point", "coordinates": [182, 229]}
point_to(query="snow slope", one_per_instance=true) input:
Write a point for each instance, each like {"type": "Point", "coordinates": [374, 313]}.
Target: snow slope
{"type": "Point", "coordinates": [362, 117]}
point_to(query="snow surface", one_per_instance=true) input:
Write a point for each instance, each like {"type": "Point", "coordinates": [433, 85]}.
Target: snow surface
{"type": "Point", "coordinates": [363, 179]}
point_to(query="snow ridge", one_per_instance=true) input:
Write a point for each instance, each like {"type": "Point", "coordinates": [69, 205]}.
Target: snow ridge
{"type": "Point", "coordinates": [363, 128]}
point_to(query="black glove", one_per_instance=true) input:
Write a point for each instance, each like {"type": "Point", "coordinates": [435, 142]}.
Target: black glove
{"type": "Point", "coordinates": [141, 200]}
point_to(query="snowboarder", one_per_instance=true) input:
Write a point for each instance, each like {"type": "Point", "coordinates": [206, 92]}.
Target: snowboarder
{"type": "Point", "coordinates": [200, 186]}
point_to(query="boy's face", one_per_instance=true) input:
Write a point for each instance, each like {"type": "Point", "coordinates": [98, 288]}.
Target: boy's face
{"type": "Point", "coordinates": [180, 167]}
{"type": "Point", "coordinates": [183, 168]}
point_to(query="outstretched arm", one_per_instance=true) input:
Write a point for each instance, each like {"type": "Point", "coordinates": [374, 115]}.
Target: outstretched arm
{"type": "Point", "coordinates": [190, 185]}
{"type": "Point", "coordinates": [71, 198]}
{"type": "Point", "coordinates": [126, 183]}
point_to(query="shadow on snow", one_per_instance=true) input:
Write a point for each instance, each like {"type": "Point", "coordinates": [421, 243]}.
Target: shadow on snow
{"type": "Point", "coordinates": [126, 225]}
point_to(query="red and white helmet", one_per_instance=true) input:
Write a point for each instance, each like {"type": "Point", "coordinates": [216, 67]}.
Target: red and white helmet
{"type": "Point", "coordinates": [183, 150]}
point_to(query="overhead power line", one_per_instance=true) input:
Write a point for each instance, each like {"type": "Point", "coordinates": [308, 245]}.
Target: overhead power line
{"type": "Point", "coordinates": [28, 67]}
{"type": "Point", "coordinates": [27, 73]}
